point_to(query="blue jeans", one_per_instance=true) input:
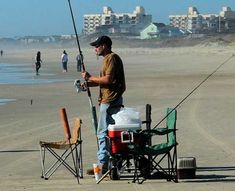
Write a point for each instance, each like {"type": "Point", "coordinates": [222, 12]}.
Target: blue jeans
{"type": "Point", "coordinates": [64, 65]}
{"type": "Point", "coordinates": [102, 130]}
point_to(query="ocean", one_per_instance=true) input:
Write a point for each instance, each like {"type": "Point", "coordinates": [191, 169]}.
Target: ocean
{"type": "Point", "coordinates": [22, 73]}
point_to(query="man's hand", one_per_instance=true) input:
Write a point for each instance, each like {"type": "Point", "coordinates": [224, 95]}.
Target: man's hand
{"type": "Point", "coordinates": [86, 75]}
{"type": "Point", "coordinates": [84, 86]}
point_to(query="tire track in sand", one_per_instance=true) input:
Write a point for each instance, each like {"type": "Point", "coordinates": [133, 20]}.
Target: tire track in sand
{"type": "Point", "coordinates": [203, 132]}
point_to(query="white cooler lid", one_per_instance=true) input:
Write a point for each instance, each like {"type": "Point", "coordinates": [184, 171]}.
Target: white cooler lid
{"type": "Point", "coordinates": [125, 127]}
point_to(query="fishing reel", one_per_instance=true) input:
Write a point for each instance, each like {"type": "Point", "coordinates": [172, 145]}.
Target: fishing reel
{"type": "Point", "coordinates": [79, 87]}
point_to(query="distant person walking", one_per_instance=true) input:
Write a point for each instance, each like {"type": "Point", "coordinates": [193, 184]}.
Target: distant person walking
{"type": "Point", "coordinates": [64, 60]}
{"type": "Point", "coordinates": [79, 59]}
{"type": "Point", "coordinates": [38, 62]}
{"type": "Point", "coordinates": [1, 53]}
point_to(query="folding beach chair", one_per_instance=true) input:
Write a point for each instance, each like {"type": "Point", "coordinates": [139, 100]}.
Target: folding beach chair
{"type": "Point", "coordinates": [67, 153]}
{"type": "Point", "coordinates": [157, 161]}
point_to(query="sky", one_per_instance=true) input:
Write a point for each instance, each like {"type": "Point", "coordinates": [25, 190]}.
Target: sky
{"type": "Point", "coordinates": [52, 17]}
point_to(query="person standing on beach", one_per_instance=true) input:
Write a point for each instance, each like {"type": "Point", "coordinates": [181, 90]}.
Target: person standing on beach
{"type": "Point", "coordinates": [38, 62]}
{"type": "Point", "coordinates": [1, 52]}
{"type": "Point", "coordinates": [112, 85]}
{"type": "Point", "coordinates": [79, 62]}
{"type": "Point", "coordinates": [64, 60]}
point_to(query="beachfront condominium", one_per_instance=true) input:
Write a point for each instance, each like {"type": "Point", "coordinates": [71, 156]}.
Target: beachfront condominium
{"type": "Point", "coordinates": [194, 22]}
{"type": "Point", "coordinates": [111, 22]}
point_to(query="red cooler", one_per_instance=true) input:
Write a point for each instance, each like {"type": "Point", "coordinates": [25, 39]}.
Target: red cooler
{"type": "Point", "coordinates": [121, 136]}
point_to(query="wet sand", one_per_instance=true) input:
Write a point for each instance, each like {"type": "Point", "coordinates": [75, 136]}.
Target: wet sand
{"type": "Point", "coordinates": [160, 77]}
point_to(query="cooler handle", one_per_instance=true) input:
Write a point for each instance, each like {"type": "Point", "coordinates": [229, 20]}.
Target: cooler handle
{"type": "Point", "coordinates": [127, 137]}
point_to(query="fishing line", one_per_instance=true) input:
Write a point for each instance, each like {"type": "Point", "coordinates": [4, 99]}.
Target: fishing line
{"type": "Point", "coordinates": [203, 81]}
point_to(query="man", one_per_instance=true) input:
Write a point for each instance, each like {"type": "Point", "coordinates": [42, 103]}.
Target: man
{"type": "Point", "coordinates": [38, 62]}
{"type": "Point", "coordinates": [64, 60]}
{"type": "Point", "coordinates": [79, 62]}
{"type": "Point", "coordinates": [112, 86]}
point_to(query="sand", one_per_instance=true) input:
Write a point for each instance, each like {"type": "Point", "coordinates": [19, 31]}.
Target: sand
{"type": "Point", "coordinates": [161, 77]}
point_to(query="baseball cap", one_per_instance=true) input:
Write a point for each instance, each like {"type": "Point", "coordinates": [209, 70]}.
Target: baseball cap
{"type": "Point", "coordinates": [102, 40]}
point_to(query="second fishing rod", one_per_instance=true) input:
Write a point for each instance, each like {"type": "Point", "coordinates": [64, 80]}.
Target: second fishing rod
{"type": "Point", "coordinates": [194, 89]}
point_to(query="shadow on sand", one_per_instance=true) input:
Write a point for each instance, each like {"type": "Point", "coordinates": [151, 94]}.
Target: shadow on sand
{"type": "Point", "coordinates": [19, 151]}
{"type": "Point", "coordinates": [213, 174]}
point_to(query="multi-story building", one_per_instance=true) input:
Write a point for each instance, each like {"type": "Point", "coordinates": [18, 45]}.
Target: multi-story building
{"type": "Point", "coordinates": [192, 22]}
{"type": "Point", "coordinates": [195, 22]}
{"type": "Point", "coordinates": [226, 20]}
{"type": "Point", "coordinates": [112, 22]}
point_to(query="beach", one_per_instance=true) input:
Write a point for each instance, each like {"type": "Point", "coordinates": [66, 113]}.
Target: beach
{"type": "Point", "coordinates": [162, 77]}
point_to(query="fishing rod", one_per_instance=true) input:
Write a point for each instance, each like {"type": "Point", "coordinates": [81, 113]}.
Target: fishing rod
{"type": "Point", "coordinates": [77, 82]}
{"type": "Point", "coordinates": [190, 93]}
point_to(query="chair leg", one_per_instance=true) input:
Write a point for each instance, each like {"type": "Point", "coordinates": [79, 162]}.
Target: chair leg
{"type": "Point", "coordinates": [172, 166]}
{"type": "Point", "coordinates": [42, 157]}
{"type": "Point", "coordinates": [60, 161]}
{"type": "Point", "coordinates": [138, 171]}
{"type": "Point", "coordinates": [74, 161]}
{"type": "Point", "coordinates": [80, 162]}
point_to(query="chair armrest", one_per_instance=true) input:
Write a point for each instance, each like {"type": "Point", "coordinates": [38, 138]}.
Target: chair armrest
{"type": "Point", "coordinates": [146, 121]}
{"type": "Point", "coordinates": [158, 131]}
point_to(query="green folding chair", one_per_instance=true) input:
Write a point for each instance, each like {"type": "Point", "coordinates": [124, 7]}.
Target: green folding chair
{"type": "Point", "coordinates": [157, 161]}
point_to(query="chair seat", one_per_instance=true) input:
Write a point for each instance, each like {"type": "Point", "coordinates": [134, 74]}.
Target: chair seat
{"type": "Point", "coordinates": [58, 144]}
{"type": "Point", "coordinates": [151, 150]}
{"type": "Point", "coordinates": [158, 149]}
{"type": "Point", "coordinates": [158, 131]}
